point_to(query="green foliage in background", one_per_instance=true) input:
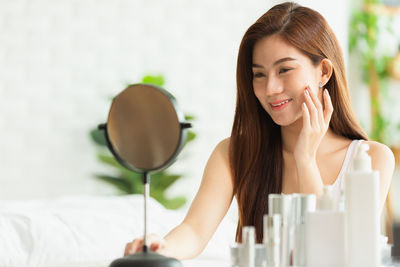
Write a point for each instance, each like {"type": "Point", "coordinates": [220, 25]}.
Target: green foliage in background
{"type": "Point", "coordinates": [364, 39]}
{"type": "Point", "coordinates": [129, 182]}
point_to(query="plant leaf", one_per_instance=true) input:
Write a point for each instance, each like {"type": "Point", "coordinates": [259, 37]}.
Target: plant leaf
{"type": "Point", "coordinates": [163, 180]}
{"type": "Point", "coordinates": [119, 183]}
{"type": "Point", "coordinates": [98, 137]}
{"type": "Point", "coordinates": [174, 203]}
{"type": "Point", "coordinates": [154, 79]}
{"type": "Point", "coordinates": [190, 136]}
{"type": "Point", "coordinates": [109, 159]}
{"type": "Point", "coordinates": [189, 117]}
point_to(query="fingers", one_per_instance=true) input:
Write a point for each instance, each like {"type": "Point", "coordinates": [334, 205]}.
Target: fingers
{"type": "Point", "coordinates": [320, 116]}
{"type": "Point", "coordinates": [328, 107]}
{"type": "Point", "coordinates": [306, 116]}
{"type": "Point", "coordinates": [134, 246]}
{"type": "Point", "coordinates": [154, 242]}
{"type": "Point", "coordinates": [313, 111]}
{"type": "Point", "coordinates": [315, 100]}
{"type": "Point", "coordinates": [157, 245]}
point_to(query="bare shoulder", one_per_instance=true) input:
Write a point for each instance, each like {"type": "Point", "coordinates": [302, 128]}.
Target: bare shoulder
{"type": "Point", "coordinates": [383, 161]}
{"type": "Point", "coordinates": [218, 163]}
{"type": "Point", "coordinates": [381, 153]}
{"type": "Point", "coordinates": [222, 149]}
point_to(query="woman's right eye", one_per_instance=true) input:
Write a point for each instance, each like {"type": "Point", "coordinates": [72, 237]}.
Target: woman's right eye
{"type": "Point", "coordinates": [258, 74]}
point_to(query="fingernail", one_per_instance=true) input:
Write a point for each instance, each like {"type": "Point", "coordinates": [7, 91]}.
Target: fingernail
{"type": "Point", "coordinates": [306, 92]}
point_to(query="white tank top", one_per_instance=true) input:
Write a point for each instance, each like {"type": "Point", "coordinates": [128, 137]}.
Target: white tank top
{"type": "Point", "coordinates": [338, 185]}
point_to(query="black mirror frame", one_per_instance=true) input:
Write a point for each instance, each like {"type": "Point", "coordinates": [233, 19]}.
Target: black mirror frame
{"type": "Point", "coordinates": [182, 137]}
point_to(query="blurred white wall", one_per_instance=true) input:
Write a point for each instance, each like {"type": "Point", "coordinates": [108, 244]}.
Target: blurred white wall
{"type": "Point", "coordinates": [61, 61]}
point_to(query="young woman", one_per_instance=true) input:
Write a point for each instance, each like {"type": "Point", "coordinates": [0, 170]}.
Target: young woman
{"type": "Point", "coordinates": [294, 130]}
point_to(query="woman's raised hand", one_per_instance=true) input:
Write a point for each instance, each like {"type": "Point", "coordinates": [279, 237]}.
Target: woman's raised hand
{"type": "Point", "coordinates": [154, 242]}
{"type": "Point", "coordinates": [315, 124]}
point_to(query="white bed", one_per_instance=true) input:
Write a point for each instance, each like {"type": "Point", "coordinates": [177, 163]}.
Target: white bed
{"type": "Point", "coordinates": [90, 231]}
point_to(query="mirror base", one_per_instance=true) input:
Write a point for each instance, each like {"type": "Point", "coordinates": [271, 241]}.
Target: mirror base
{"type": "Point", "coordinates": [146, 259]}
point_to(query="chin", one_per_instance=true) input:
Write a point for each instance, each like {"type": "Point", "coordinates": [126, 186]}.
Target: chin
{"type": "Point", "coordinates": [284, 121]}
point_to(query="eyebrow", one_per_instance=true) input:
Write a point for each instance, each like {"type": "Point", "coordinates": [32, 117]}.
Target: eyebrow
{"type": "Point", "coordinates": [276, 62]}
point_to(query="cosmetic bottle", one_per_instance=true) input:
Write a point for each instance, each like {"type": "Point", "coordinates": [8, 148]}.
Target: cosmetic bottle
{"type": "Point", "coordinates": [248, 254]}
{"type": "Point", "coordinates": [362, 212]}
{"type": "Point", "coordinates": [272, 239]}
{"type": "Point", "coordinates": [303, 203]}
{"type": "Point", "coordinates": [282, 204]}
{"type": "Point", "coordinates": [325, 234]}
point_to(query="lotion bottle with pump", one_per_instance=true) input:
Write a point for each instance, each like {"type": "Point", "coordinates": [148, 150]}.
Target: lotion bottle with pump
{"type": "Point", "coordinates": [362, 212]}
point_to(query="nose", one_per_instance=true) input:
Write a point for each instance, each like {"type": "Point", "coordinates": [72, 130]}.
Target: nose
{"type": "Point", "coordinates": [273, 86]}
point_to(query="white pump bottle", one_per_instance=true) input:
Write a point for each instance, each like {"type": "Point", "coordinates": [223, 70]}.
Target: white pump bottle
{"type": "Point", "coordinates": [362, 212]}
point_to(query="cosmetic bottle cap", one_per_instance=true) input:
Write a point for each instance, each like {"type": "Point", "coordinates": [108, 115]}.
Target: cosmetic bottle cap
{"type": "Point", "coordinates": [303, 203]}
{"type": "Point", "coordinates": [280, 204]}
{"type": "Point", "coordinates": [362, 161]}
{"type": "Point", "coordinates": [248, 252]}
{"type": "Point", "coordinates": [248, 236]}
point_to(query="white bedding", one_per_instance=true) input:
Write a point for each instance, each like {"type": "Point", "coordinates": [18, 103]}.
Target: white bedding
{"type": "Point", "coordinates": [90, 231]}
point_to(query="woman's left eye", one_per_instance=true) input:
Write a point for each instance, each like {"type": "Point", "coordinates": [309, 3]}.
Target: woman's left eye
{"type": "Point", "coordinates": [283, 70]}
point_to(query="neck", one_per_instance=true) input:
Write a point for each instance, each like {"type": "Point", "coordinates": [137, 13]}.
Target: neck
{"type": "Point", "coordinates": [290, 135]}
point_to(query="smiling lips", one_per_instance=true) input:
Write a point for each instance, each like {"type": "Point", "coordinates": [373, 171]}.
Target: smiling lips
{"type": "Point", "coordinates": [277, 105]}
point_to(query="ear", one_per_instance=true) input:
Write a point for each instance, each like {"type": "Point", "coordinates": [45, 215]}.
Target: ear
{"type": "Point", "coordinates": [326, 70]}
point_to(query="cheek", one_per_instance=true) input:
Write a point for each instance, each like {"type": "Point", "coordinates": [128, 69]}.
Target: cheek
{"type": "Point", "coordinates": [296, 87]}
{"type": "Point", "coordinates": [258, 88]}
{"type": "Point", "coordinates": [298, 82]}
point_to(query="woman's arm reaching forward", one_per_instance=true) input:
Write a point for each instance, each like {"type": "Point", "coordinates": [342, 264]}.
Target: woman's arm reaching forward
{"type": "Point", "coordinates": [210, 205]}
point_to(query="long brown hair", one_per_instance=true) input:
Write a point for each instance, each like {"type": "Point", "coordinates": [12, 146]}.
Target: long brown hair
{"type": "Point", "coordinates": [255, 145]}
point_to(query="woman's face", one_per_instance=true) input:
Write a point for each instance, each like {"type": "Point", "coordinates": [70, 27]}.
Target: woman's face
{"type": "Point", "coordinates": [281, 73]}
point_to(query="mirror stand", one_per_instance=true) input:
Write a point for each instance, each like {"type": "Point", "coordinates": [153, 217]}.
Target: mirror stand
{"type": "Point", "coordinates": [146, 258]}
{"type": "Point", "coordinates": [145, 131]}
{"type": "Point", "coordinates": [146, 192]}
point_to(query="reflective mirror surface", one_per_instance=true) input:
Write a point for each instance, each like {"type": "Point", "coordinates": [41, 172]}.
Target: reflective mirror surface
{"type": "Point", "coordinates": [144, 128]}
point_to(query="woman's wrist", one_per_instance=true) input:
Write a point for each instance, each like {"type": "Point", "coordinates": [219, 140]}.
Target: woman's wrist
{"type": "Point", "coordinates": [305, 160]}
{"type": "Point", "coordinates": [309, 177]}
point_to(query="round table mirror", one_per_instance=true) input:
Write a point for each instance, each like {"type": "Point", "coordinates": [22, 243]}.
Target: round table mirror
{"type": "Point", "coordinates": [145, 131]}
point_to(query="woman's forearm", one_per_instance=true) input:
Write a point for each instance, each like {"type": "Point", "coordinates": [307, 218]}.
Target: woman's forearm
{"type": "Point", "coordinates": [183, 242]}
